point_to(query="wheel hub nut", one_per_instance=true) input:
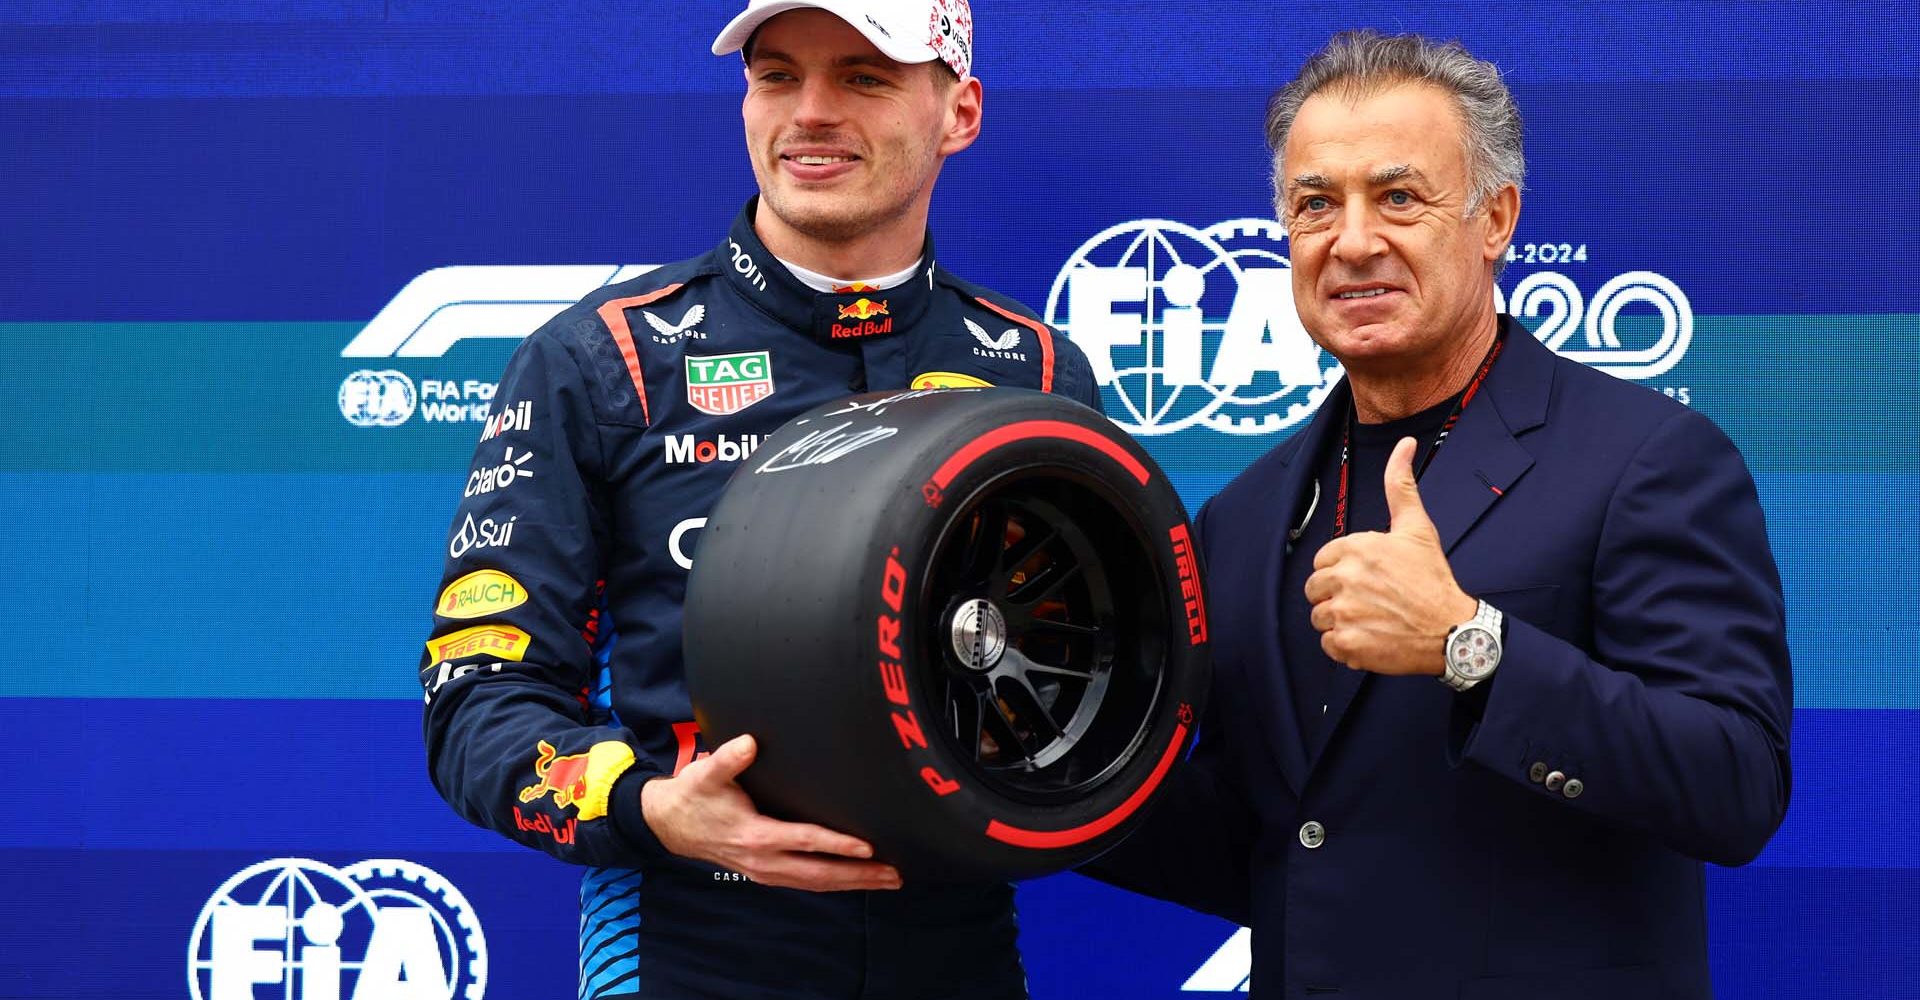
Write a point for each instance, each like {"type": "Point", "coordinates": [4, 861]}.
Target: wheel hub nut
{"type": "Point", "coordinates": [979, 634]}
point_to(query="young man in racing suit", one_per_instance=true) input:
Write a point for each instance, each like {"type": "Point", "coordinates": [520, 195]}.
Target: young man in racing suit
{"type": "Point", "coordinates": [556, 709]}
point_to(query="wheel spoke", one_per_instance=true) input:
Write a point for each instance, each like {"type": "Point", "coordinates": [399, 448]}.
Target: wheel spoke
{"type": "Point", "coordinates": [1036, 538]}
{"type": "Point", "coordinates": [953, 705]}
{"type": "Point", "coordinates": [984, 550]}
{"type": "Point", "coordinates": [1009, 730]}
{"type": "Point", "coordinates": [1014, 667]}
{"type": "Point", "coordinates": [1025, 618]}
{"type": "Point", "coordinates": [1035, 667]}
{"type": "Point", "coordinates": [1042, 713]}
{"type": "Point", "coordinates": [1051, 625]}
{"type": "Point", "coordinates": [979, 721]}
{"type": "Point", "coordinates": [1044, 584]}
{"type": "Point", "coordinates": [966, 709]}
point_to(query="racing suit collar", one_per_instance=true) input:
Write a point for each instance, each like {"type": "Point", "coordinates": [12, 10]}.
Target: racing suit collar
{"type": "Point", "coordinates": [848, 316]}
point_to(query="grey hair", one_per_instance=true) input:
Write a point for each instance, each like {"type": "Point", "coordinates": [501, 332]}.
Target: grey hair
{"type": "Point", "coordinates": [1364, 61]}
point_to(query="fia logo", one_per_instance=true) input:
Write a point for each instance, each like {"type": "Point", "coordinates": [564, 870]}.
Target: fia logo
{"type": "Point", "coordinates": [1193, 328]}
{"type": "Point", "coordinates": [378, 399]}
{"type": "Point", "coordinates": [294, 929]}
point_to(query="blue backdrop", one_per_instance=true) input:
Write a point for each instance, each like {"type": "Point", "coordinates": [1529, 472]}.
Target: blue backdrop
{"type": "Point", "coordinates": [216, 570]}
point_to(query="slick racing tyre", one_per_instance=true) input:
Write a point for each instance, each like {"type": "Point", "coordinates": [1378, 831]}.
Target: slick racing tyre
{"type": "Point", "coordinates": [965, 625]}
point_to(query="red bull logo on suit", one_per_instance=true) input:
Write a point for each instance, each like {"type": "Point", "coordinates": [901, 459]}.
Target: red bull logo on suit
{"type": "Point", "coordinates": [579, 781]}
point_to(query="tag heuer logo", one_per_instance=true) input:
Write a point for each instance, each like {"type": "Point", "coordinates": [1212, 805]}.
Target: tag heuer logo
{"type": "Point", "coordinates": [728, 383]}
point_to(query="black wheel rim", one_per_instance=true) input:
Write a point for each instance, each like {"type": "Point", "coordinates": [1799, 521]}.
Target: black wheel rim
{"type": "Point", "coordinates": [1060, 701]}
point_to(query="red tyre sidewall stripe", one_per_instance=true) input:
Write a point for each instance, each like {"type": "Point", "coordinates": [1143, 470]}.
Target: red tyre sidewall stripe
{"type": "Point", "coordinates": [1040, 330]}
{"type": "Point", "coordinates": [1041, 840]}
{"type": "Point", "coordinates": [1026, 429]}
{"type": "Point", "coordinates": [614, 314]}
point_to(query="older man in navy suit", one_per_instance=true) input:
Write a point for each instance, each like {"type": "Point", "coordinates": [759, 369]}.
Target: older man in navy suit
{"type": "Point", "coordinates": [1501, 652]}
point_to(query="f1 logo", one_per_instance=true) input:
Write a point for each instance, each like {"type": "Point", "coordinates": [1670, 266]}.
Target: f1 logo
{"type": "Point", "coordinates": [447, 305]}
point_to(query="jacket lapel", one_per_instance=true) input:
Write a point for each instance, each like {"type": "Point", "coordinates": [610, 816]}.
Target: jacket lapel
{"type": "Point", "coordinates": [1293, 499]}
{"type": "Point", "coordinates": [1475, 469]}
{"type": "Point", "coordinates": [1482, 458]}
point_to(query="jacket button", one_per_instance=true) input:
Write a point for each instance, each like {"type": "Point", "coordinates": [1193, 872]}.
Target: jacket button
{"type": "Point", "coordinates": [1312, 834]}
{"type": "Point", "coordinates": [1573, 789]}
{"type": "Point", "coordinates": [1537, 773]}
{"type": "Point", "coordinates": [1555, 780]}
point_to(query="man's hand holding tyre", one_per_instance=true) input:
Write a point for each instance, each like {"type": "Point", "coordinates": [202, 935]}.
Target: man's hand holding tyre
{"type": "Point", "coordinates": [702, 813]}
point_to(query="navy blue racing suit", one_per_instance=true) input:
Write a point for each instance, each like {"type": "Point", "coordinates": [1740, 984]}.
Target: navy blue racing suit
{"type": "Point", "coordinates": [553, 677]}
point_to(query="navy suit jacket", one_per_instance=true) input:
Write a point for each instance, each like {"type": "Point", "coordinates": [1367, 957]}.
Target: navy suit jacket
{"type": "Point", "coordinates": [1645, 662]}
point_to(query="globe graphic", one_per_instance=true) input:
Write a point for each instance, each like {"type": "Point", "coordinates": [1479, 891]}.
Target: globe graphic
{"type": "Point", "coordinates": [1184, 269]}
{"type": "Point", "coordinates": [289, 906]}
{"type": "Point", "coordinates": [377, 399]}
{"type": "Point", "coordinates": [317, 905]}
{"type": "Point", "coordinates": [1255, 245]}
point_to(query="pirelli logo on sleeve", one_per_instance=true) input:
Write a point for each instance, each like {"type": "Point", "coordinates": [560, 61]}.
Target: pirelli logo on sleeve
{"type": "Point", "coordinates": [500, 642]}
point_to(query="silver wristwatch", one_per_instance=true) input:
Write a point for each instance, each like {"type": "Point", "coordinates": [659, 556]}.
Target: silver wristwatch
{"type": "Point", "coordinates": [1473, 649]}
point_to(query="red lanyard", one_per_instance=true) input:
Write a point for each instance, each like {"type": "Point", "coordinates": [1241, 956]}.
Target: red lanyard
{"type": "Point", "coordinates": [1453, 417]}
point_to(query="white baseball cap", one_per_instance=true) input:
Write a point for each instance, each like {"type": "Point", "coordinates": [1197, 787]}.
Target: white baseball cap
{"type": "Point", "coordinates": [906, 31]}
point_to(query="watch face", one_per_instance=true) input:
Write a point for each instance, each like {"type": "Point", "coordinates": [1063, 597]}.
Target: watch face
{"type": "Point", "coordinates": [1473, 652]}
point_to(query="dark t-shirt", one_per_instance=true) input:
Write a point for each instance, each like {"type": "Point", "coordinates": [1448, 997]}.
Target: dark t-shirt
{"type": "Point", "coordinates": [1309, 670]}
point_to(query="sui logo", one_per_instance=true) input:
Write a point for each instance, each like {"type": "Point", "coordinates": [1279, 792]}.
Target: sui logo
{"type": "Point", "coordinates": [1193, 328]}
{"type": "Point", "coordinates": [378, 399]}
{"type": "Point", "coordinates": [294, 929]}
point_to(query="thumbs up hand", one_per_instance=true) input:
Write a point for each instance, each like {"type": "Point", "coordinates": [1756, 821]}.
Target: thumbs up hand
{"type": "Point", "coordinates": [1384, 602]}
{"type": "Point", "coordinates": [1406, 515]}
